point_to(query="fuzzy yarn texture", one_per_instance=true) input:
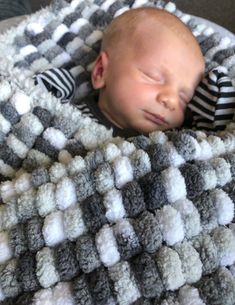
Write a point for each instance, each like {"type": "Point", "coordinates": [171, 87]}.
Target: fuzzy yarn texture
{"type": "Point", "coordinates": [86, 218]}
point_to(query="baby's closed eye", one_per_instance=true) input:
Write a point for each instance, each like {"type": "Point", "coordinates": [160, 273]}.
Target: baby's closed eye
{"type": "Point", "coordinates": [153, 77]}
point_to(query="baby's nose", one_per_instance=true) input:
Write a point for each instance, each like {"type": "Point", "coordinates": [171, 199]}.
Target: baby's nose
{"type": "Point", "coordinates": [168, 99]}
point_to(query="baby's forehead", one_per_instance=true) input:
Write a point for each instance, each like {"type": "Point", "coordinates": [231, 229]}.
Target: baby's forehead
{"type": "Point", "coordinates": [136, 25]}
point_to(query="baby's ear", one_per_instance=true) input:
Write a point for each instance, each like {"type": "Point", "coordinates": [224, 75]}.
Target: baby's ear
{"type": "Point", "coordinates": [99, 71]}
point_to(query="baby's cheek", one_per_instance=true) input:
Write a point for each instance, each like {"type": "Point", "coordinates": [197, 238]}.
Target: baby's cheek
{"type": "Point", "coordinates": [179, 119]}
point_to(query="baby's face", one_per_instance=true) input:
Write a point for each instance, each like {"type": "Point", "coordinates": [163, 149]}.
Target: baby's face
{"type": "Point", "coordinates": [149, 86]}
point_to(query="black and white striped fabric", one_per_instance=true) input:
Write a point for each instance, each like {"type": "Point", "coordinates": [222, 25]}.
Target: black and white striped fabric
{"type": "Point", "coordinates": [84, 108]}
{"type": "Point", "coordinates": [58, 81]}
{"type": "Point", "coordinates": [213, 104]}
{"type": "Point", "coordinates": [61, 84]}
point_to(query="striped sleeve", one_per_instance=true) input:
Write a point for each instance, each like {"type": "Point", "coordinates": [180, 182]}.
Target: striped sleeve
{"type": "Point", "coordinates": [59, 82]}
{"type": "Point", "coordinates": [213, 104]}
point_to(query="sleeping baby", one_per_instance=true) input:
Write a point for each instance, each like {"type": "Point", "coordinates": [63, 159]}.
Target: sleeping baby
{"type": "Point", "coordinates": [145, 74]}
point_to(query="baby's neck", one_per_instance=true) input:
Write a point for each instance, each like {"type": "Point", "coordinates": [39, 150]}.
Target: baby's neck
{"type": "Point", "coordinates": [107, 114]}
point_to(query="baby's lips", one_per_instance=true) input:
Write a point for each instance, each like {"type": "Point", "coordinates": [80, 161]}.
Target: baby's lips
{"type": "Point", "coordinates": [156, 118]}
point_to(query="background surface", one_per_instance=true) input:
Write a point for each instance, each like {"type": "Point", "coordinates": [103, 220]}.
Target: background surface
{"type": "Point", "coordinates": [221, 12]}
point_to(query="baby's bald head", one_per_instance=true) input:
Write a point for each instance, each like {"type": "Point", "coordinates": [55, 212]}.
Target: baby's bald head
{"type": "Point", "coordinates": [130, 27]}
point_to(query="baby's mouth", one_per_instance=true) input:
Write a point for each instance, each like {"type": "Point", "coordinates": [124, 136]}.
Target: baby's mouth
{"type": "Point", "coordinates": [155, 118]}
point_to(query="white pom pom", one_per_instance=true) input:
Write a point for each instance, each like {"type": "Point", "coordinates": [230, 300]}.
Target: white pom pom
{"type": "Point", "coordinates": [55, 137]}
{"type": "Point", "coordinates": [206, 151]}
{"type": "Point", "coordinates": [75, 26]}
{"type": "Point", "coordinates": [106, 4]}
{"type": "Point", "coordinates": [114, 206]}
{"type": "Point", "coordinates": [190, 216]}
{"type": "Point", "coordinates": [45, 199]}
{"type": "Point", "coordinates": [76, 165]}
{"type": "Point", "coordinates": [6, 170]}
{"type": "Point", "coordinates": [126, 148]}
{"type": "Point", "coordinates": [63, 294]}
{"type": "Point", "coordinates": [5, 125]}
{"type": "Point", "coordinates": [170, 7]}
{"type": "Point", "coordinates": [21, 102]}
{"type": "Point", "coordinates": [190, 260]}
{"type": "Point", "coordinates": [17, 146]}
{"type": "Point", "coordinates": [74, 225]}
{"type": "Point", "coordinates": [111, 152]}
{"type": "Point", "coordinates": [171, 225]}
{"type": "Point", "coordinates": [5, 250]}
{"type": "Point", "coordinates": [224, 206]}
{"type": "Point", "coordinates": [175, 158]}
{"type": "Point", "coordinates": [27, 50]}
{"type": "Point", "coordinates": [139, 3]}
{"type": "Point", "coordinates": [94, 37]}
{"type": "Point", "coordinates": [225, 244]}
{"type": "Point", "coordinates": [170, 268]}
{"type": "Point", "coordinates": [5, 89]}
{"type": "Point", "coordinates": [32, 122]}
{"type": "Point", "coordinates": [185, 18]}
{"type": "Point", "coordinates": [57, 171]}
{"type": "Point", "coordinates": [222, 170]}
{"type": "Point", "coordinates": [34, 28]}
{"type": "Point", "coordinates": [107, 246]}
{"type": "Point", "coordinates": [59, 32]}
{"type": "Point", "coordinates": [43, 297]}
{"type": "Point", "coordinates": [53, 229]}
{"type": "Point", "coordinates": [229, 142]}
{"type": "Point", "coordinates": [65, 193]}
{"type": "Point", "coordinates": [174, 184]}
{"type": "Point", "coordinates": [46, 270]}
{"type": "Point", "coordinates": [208, 31]}
{"type": "Point", "coordinates": [7, 191]}
{"type": "Point", "coordinates": [189, 296]}
{"type": "Point", "coordinates": [217, 145]}
{"type": "Point", "coordinates": [210, 179]}
{"type": "Point", "coordinates": [38, 158]}
{"type": "Point", "coordinates": [123, 171]}
{"type": "Point", "coordinates": [125, 286]}
{"type": "Point", "coordinates": [158, 137]}
{"type": "Point", "coordinates": [23, 183]}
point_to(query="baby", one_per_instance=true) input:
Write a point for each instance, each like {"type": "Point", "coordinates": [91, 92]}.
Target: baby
{"type": "Point", "coordinates": [146, 73]}
{"type": "Point", "coordinates": [147, 70]}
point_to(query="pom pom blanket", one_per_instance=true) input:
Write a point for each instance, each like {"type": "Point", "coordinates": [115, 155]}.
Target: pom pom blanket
{"type": "Point", "coordinates": [87, 218]}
